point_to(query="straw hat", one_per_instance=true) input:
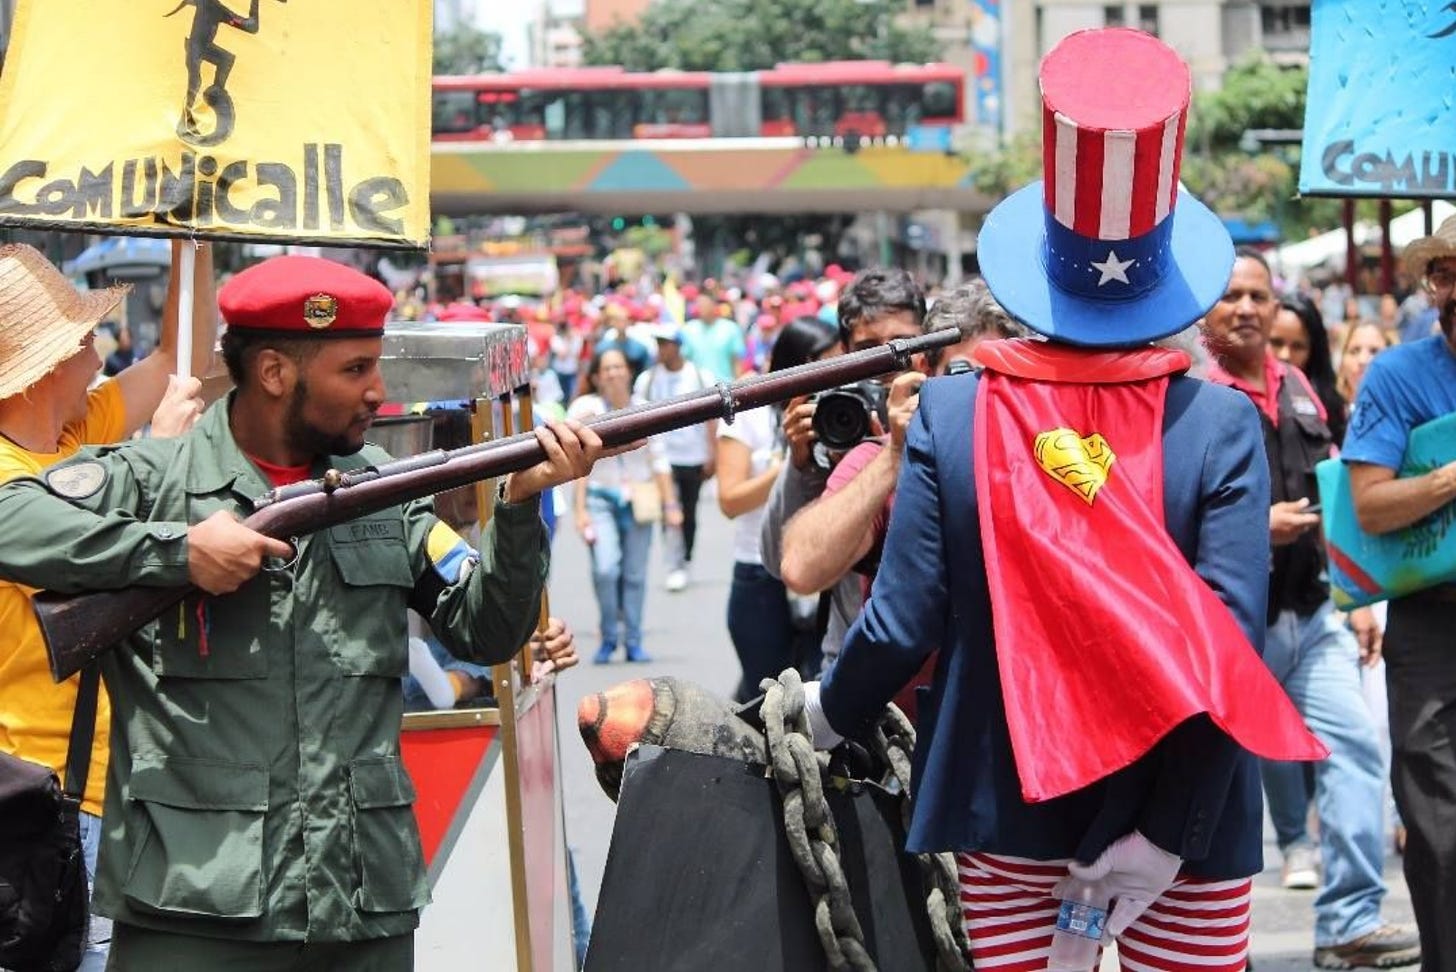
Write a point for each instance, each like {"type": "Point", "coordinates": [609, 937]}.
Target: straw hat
{"type": "Point", "coordinates": [43, 319]}
{"type": "Point", "coordinates": [1419, 253]}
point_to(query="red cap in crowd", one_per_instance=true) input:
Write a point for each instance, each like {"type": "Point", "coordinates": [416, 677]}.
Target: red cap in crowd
{"type": "Point", "coordinates": [304, 296]}
{"type": "Point", "coordinates": [464, 311]}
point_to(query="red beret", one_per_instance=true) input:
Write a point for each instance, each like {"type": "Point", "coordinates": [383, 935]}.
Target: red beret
{"type": "Point", "coordinates": [303, 296]}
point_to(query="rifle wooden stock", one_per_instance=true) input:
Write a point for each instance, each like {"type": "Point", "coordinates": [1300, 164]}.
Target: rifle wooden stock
{"type": "Point", "coordinates": [78, 627]}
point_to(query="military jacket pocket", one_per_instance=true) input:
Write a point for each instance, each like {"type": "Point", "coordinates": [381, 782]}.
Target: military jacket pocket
{"type": "Point", "coordinates": [387, 849]}
{"type": "Point", "coordinates": [198, 848]}
{"type": "Point", "coordinates": [374, 571]}
{"type": "Point", "coordinates": [215, 637]}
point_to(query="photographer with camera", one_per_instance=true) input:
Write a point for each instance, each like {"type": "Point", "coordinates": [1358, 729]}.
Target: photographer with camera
{"type": "Point", "coordinates": [836, 446]}
{"type": "Point", "coordinates": [844, 530]}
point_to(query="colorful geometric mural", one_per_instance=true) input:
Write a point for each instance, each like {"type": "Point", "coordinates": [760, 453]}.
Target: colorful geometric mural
{"type": "Point", "coordinates": [625, 167]}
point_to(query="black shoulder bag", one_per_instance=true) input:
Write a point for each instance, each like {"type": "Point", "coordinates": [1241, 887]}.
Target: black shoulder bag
{"type": "Point", "coordinates": [45, 903]}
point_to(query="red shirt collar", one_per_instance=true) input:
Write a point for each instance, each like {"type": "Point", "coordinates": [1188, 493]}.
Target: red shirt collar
{"type": "Point", "coordinates": [281, 475]}
{"type": "Point", "coordinates": [1268, 399]}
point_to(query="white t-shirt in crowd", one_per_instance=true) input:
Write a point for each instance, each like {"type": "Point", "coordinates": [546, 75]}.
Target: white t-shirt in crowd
{"type": "Point", "coordinates": [758, 430]}
{"type": "Point", "coordinates": [619, 472]}
{"type": "Point", "coordinates": [566, 351]}
{"type": "Point", "coordinates": [689, 446]}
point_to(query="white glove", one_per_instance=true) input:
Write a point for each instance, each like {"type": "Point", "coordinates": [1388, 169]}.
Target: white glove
{"type": "Point", "coordinates": [1132, 873]}
{"type": "Point", "coordinates": [824, 735]}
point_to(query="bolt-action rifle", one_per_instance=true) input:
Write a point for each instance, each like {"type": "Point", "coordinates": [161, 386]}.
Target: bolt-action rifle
{"type": "Point", "coordinates": [79, 627]}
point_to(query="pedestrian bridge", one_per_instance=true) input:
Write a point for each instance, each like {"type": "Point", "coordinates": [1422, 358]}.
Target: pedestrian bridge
{"type": "Point", "coordinates": [698, 176]}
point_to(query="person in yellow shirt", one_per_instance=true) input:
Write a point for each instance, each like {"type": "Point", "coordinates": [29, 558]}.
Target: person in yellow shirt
{"type": "Point", "coordinates": [49, 410]}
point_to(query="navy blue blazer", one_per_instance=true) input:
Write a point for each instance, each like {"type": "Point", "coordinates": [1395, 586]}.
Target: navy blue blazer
{"type": "Point", "coordinates": [1197, 793]}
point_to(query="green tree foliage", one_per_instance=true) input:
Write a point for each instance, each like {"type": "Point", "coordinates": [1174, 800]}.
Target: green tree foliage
{"type": "Point", "coordinates": [467, 49]}
{"type": "Point", "coordinates": [1262, 184]}
{"type": "Point", "coordinates": [752, 35]}
{"type": "Point", "coordinates": [1001, 171]}
{"type": "Point", "coordinates": [1256, 93]}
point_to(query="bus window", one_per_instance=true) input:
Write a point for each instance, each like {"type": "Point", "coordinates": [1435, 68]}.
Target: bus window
{"type": "Point", "coordinates": [938, 100]}
{"type": "Point", "coordinates": [860, 98]}
{"type": "Point", "coordinates": [607, 114]}
{"type": "Point", "coordinates": [498, 109]}
{"type": "Point", "coordinates": [861, 111]}
{"type": "Point", "coordinates": [528, 120]}
{"type": "Point", "coordinates": [776, 105]}
{"type": "Point", "coordinates": [902, 108]}
{"type": "Point", "coordinates": [815, 110]}
{"type": "Point", "coordinates": [667, 106]}
{"type": "Point", "coordinates": [453, 112]}
{"type": "Point", "coordinates": [553, 113]}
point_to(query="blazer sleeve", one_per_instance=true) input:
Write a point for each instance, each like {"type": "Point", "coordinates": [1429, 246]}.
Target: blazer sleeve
{"type": "Point", "coordinates": [1197, 761]}
{"type": "Point", "coordinates": [904, 618]}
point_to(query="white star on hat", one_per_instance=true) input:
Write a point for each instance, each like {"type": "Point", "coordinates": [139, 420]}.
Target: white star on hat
{"type": "Point", "coordinates": [1112, 268]}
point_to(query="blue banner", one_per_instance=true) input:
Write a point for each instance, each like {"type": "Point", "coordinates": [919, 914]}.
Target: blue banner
{"type": "Point", "coordinates": [1382, 99]}
{"type": "Point", "coordinates": [985, 40]}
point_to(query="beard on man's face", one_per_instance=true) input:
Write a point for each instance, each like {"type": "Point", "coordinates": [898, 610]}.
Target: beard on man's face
{"type": "Point", "coordinates": [1448, 320]}
{"type": "Point", "coordinates": [308, 438]}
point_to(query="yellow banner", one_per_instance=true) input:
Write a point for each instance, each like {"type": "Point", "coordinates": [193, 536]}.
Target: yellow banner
{"type": "Point", "coordinates": [294, 120]}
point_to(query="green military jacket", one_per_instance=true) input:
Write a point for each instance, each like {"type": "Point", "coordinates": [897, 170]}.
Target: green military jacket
{"type": "Point", "coordinates": [256, 790]}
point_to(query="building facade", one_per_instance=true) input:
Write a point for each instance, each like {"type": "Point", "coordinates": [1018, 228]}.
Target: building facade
{"type": "Point", "coordinates": [601, 14]}
{"type": "Point", "coordinates": [555, 35]}
{"type": "Point", "coordinates": [1211, 35]}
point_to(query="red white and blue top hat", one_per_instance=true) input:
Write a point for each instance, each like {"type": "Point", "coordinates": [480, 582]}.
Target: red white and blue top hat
{"type": "Point", "coordinates": [1108, 249]}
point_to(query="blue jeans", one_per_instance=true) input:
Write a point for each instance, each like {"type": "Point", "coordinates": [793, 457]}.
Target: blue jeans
{"type": "Point", "coordinates": [98, 940]}
{"type": "Point", "coordinates": [619, 567]}
{"type": "Point", "coordinates": [759, 623]}
{"type": "Point", "coordinates": [1289, 789]}
{"type": "Point", "coordinates": [580, 925]}
{"type": "Point", "coordinates": [1318, 662]}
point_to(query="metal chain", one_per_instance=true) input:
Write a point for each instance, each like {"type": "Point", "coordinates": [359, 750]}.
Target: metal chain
{"type": "Point", "coordinates": [810, 828]}
{"type": "Point", "coordinates": [812, 837]}
{"type": "Point", "coordinates": [893, 742]}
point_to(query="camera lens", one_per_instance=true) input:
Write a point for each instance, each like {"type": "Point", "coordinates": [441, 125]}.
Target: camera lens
{"type": "Point", "coordinates": [841, 420]}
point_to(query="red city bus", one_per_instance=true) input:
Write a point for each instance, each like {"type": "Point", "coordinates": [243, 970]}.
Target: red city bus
{"type": "Point", "coordinates": [869, 99]}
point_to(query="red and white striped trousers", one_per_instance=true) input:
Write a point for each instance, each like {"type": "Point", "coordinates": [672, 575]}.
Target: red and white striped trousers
{"type": "Point", "coordinates": [1197, 925]}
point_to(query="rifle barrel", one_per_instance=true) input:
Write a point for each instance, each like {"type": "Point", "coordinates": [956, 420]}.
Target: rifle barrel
{"type": "Point", "coordinates": [78, 627]}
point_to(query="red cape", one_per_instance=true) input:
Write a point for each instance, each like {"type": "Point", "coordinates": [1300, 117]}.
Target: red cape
{"type": "Point", "coordinates": [1106, 638]}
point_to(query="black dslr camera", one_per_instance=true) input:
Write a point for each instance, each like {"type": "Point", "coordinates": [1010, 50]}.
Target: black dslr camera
{"type": "Point", "coordinates": [842, 416]}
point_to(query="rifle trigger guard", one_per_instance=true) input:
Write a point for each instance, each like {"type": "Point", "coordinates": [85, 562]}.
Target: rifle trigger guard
{"type": "Point", "coordinates": [285, 567]}
{"type": "Point", "coordinates": [730, 407]}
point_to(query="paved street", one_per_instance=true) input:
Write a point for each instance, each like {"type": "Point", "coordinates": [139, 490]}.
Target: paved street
{"type": "Point", "coordinates": [687, 635]}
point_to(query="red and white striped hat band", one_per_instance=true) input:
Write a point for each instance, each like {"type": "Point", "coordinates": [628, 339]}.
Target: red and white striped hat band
{"type": "Point", "coordinates": [1111, 160]}
{"type": "Point", "coordinates": [1115, 184]}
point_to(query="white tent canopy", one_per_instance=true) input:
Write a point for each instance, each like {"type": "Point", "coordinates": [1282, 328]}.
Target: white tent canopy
{"type": "Point", "coordinates": [1411, 226]}
{"type": "Point", "coordinates": [1328, 249]}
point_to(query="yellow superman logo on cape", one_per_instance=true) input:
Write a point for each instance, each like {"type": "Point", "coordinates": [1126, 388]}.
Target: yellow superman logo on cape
{"type": "Point", "coordinates": [1080, 463]}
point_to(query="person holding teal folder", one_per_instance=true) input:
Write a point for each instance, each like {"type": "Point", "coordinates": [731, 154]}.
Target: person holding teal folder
{"type": "Point", "coordinates": [1407, 387]}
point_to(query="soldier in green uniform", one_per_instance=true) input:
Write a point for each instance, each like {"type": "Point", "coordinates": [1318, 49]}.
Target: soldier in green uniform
{"type": "Point", "coordinates": [257, 814]}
